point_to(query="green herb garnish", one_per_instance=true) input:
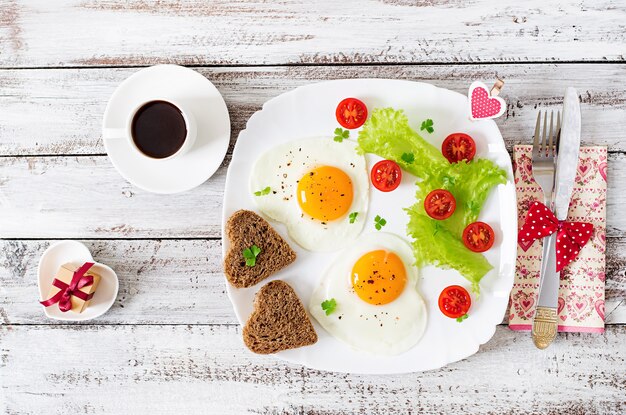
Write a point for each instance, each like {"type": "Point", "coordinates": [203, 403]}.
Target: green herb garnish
{"type": "Point", "coordinates": [408, 158]}
{"type": "Point", "coordinates": [341, 134]}
{"type": "Point", "coordinates": [379, 222]}
{"type": "Point", "coordinates": [329, 306]}
{"type": "Point", "coordinates": [250, 254]}
{"type": "Point", "coordinates": [427, 125]}
{"type": "Point", "coordinates": [463, 317]}
{"type": "Point", "coordinates": [263, 192]}
{"type": "Point", "coordinates": [353, 216]}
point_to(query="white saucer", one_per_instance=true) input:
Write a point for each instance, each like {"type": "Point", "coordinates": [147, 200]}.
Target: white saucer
{"type": "Point", "coordinates": [193, 90]}
{"type": "Point", "coordinates": [75, 253]}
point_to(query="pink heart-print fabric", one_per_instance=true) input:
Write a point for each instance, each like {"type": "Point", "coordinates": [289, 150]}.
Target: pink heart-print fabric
{"type": "Point", "coordinates": [581, 291]}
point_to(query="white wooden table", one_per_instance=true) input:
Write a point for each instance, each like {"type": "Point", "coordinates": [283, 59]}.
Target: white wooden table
{"type": "Point", "coordinates": [171, 342]}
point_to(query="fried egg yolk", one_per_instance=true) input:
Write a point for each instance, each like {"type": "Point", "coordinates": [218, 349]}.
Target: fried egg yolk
{"type": "Point", "coordinates": [325, 193]}
{"type": "Point", "coordinates": [379, 277]}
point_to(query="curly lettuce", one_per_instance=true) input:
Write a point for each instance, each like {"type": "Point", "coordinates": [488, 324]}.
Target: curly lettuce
{"type": "Point", "coordinates": [387, 134]}
{"type": "Point", "coordinates": [433, 243]}
{"type": "Point", "coordinates": [470, 183]}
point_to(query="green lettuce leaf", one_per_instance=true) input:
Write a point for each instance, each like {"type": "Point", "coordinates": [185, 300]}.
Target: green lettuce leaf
{"type": "Point", "coordinates": [434, 244]}
{"type": "Point", "coordinates": [470, 183]}
{"type": "Point", "coordinates": [387, 134]}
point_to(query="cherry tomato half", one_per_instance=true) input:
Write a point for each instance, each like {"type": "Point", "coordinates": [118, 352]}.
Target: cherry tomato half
{"type": "Point", "coordinates": [454, 301]}
{"type": "Point", "coordinates": [351, 113]}
{"type": "Point", "coordinates": [440, 204]}
{"type": "Point", "coordinates": [386, 175]}
{"type": "Point", "coordinates": [478, 237]}
{"type": "Point", "coordinates": [457, 147]}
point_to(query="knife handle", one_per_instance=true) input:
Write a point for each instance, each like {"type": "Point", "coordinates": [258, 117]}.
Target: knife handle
{"type": "Point", "coordinates": [544, 326]}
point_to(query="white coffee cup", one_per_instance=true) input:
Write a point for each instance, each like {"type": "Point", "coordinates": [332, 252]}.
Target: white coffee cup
{"type": "Point", "coordinates": [126, 133]}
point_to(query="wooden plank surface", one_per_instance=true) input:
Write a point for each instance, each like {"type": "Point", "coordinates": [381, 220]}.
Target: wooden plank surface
{"type": "Point", "coordinates": [171, 343]}
{"type": "Point", "coordinates": [205, 369]}
{"type": "Point", "coordinates": [118, 32]}
{"type": "Point", "coordinates": [59, 112]}
{"type": "Point", "coordinates": [181, 282]}
{"type": "Point", "coordinates": [161, 282]}
{"type": "Point", "coordinates": [85, 197]}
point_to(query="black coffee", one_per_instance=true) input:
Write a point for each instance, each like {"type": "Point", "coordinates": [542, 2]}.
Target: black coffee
{"type": "Point", "coordinates": [159, 129]}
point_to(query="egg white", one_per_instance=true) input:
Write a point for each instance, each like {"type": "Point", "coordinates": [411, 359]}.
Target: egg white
{"type": "Point", "coordinates": [388, 329]}
{"type": "Point", "coordinates": [283, 166]}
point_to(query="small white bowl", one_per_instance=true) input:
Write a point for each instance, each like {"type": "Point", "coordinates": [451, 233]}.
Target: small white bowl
{"type": "Point", "coordinates": [76, 253]}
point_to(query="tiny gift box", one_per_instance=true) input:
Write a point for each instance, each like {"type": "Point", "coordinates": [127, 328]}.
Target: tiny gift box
{"type": "Point", "coordinates": [73, 287]}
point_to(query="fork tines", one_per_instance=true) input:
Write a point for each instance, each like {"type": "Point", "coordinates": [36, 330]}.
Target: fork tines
{"type": "Point", "coordinates": [549, 138]}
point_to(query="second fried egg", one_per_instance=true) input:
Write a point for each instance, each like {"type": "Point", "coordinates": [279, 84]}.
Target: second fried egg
{"type": "Point", "coordinates": [373, 287]}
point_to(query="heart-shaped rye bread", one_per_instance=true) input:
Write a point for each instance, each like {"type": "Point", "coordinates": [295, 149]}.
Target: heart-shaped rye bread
{"type": "Point", "coordinates": [278, 322]}
{"type": "Point", "coordinates": [244, 229]}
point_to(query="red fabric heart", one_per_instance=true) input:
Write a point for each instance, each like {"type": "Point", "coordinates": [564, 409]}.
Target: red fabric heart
{"type": "Point", "coordinates": [583, 169]}
{"type": "Point", "coordinates": [525, 244]}
{"type": "Point", "coordinates": [484, 106]}
{"type": "Point", "coordinates": [526, 304]}
{"type": "Point", "coordinates": [570, 238]}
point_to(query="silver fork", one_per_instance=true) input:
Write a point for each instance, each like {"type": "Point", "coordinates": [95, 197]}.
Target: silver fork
{"type": "Point", "coordinates": [544, 154]}
{"type": "Point", "coordinates": [544, 168]}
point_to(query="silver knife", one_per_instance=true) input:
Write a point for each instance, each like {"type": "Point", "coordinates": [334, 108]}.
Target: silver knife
{"type": "Point", "coordinates": [545, 322]}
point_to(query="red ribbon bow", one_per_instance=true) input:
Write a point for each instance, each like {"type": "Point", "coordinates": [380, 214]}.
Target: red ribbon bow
{"type": "Point", "coordinates": [570, 238]}
{"type": "Point", "coordinates": [64, 296]}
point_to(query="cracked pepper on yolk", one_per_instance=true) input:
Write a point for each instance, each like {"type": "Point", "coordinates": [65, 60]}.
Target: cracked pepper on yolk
{"type": "Point", "coordinates": [378, 277]}
{"type": "Point", "coordinates": [325, 193]}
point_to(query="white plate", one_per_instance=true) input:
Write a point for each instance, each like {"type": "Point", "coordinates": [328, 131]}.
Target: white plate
{"type": "Point", "coordinates": [309, 111]}
{"type": "Point", "coordinates": [75, 253]}
{"type": "Point", "coordinates": [195, 92]}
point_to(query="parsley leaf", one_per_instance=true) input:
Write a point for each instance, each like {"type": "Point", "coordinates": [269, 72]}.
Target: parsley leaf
{"type": "Point", "coordinates": [329, 306]}
{"type": "Point", "coordinates": [427, 125]}
{"type": "Point", "coordinates": [379, 222]}
{"type": "Point", "coordinates": [353, 216]}
{"type": "Point", "coordinates": [463, 317]}
{"type": "Point", "coordinates": [408, 158]}
{"type": "Point", "coordinates": [341, 134]}
{"type": "Point", "coordinates": [263, 192]}
{"type": "Point", "coordinates": [250, 254]}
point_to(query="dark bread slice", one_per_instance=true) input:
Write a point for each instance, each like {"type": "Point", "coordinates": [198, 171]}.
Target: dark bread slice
{"type": "Point", "coordinates": [278, 322]}
{"type": "Point", "coordinates": [244, 229]}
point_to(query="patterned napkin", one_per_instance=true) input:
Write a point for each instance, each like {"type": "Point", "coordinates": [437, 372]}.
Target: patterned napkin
{"type": "Point", "coordinates": [581, 293]}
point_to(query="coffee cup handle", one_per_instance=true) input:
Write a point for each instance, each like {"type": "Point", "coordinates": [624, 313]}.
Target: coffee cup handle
{"type": "Point", "coordinates": [113, 133]}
